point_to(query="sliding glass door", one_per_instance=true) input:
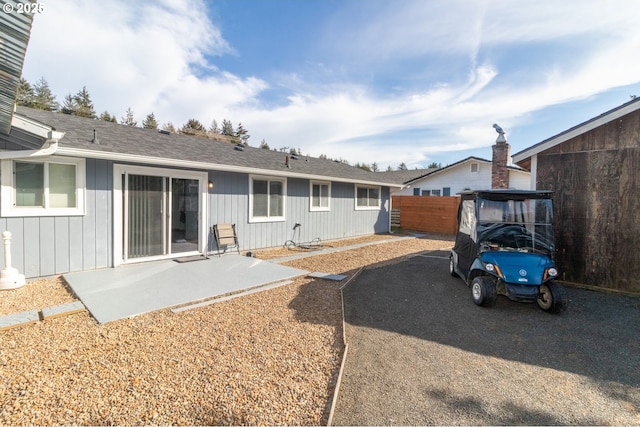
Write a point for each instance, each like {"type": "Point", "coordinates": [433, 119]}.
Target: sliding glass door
{"type": "Point", "coordinates": [161, 213]}
{"type": "Point", "coordinates": [146, 222]}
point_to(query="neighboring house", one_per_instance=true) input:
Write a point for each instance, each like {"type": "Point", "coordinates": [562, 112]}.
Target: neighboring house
{"type": "Point", "coordinates": [472, 173]}
{"type": "Point", "coordinates": [81, 194]}
{"type": "Point", "coordinates": [594, 170]}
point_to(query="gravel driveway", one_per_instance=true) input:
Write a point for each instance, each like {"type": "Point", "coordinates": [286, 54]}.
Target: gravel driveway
{"type": "Point", "coordinates": [420, 352]}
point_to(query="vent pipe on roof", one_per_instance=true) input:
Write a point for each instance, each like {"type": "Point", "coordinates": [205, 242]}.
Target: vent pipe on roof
{"type": "Point", "coordinates": [286, 162]}
{"type": "Point", "coordinates": [95, 137]}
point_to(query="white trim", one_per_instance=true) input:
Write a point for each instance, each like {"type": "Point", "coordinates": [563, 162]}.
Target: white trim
{"type": "Point", "coordinates": [188, 164]}
{"type": "Point", "coordinates": [119, 227]}
{"type": "Point", "coordinates": [368, 187]}
{"type": "Point", "coordinates": [534, 171]}
{"type": "Point", "coordinates": [319, 208]}
{"type": "Point", "coordinates": [281, 218]}
{"type": "Point", "coordinates": [8, 206]}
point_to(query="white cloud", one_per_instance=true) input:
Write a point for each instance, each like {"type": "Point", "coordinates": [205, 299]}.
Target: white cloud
{"type": "Point", "coordinates": [161, 57]}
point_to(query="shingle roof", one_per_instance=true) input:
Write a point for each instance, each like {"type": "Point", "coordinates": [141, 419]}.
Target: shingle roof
{"type": "Point", "coordinates": [121, 142]}
{"type": "Point", "coordinates": [404, 176]}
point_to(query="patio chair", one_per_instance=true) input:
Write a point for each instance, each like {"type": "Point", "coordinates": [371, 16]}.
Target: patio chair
{"type": "Point", "coordinates": [225, 235]}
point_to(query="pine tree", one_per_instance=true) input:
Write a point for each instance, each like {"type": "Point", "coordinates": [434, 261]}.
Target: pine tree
{"type": "Point", "coordinates": [169, 127]}
{"type": "Point", "coordinates": [129, 120]}
{"type": "Point", "coordinates": [193, 127]}
{"type": "Point", "coordinates": [242, 134]}
{"type": "Point", "coordinates": [214, 129]}
{"type": "Point", "coordinates": [402, 167]}
{"type": "Point", "coordinates": [263, 144]}
{"type": "Point", "coordinates": [84, 106]}
{"type": "Point", "coordinates": [25, 94]}
{"type": "Point", "coordinates": [150, 122]}
{"type": "Point", "coordinates": [105, 116]}
{"type": "Point", "coordinates": [70, 105]}
{"type": "Point", "coordinates": [374, 167]}
{"type": "Point", "coordinates": [227, 128]}
{"type": "Point", "coordinates": [44, 99]}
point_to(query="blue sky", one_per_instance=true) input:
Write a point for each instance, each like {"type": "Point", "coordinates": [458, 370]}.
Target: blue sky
{"type": "Point", "coordinates": [385, 81]}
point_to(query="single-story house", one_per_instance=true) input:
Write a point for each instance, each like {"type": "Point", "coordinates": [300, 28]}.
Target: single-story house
{"type": "Point", "coordinates": [80, 194]}
{"type": "Point", "coordinates": [594, 170]}
{"type": "Point", "coordinates": [472, 173]}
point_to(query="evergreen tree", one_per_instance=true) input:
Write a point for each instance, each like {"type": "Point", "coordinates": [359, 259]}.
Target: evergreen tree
{"type": "Point", "coordinates": [434, 165]}
{"type": "Point", "coordinates": [106, 117]}
{"type": "Point", "coordinates": [150, 122]}
{"type": "Point", "coordinates": [227, 128]}
{"type": "Point", "coordinates": [363, 166]}
{"type": "Point", "coordinates": [374, 167]}
{"type": "Point", "coordinates": [169, 127]}
{"type": "Point", "coordinates": [263, 144]}
{"type": "Point", "coordinates": [129, 120]}
{"type": "Point", "coordinates": [25, 94]}
{"type": "Point", "coordinates": [389, 168]}
{"type": "Point", "coordinates": [242, 134]}
{"type": "Point", "coordinates": [84, 106]}
{"type": "Point", "coordinates": [69, 106]}
{"type": "Point", "coordinates": [44, 99]}
{"type": "Point", "coordinates": [403, 167]}
{"type": "Point", "coordinates": [214, 129]}
{"type": "Point", "coordinates": [193, 127]}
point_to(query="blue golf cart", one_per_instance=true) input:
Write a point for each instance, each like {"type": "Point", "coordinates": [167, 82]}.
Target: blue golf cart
{"type": "Point", "coordinates": [505, 246]}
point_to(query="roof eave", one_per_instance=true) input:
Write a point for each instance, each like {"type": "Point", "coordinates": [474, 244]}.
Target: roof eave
{"type": "Point", "coordinates": [189, 164]}
{"type": "Point", "coordinates": [578, 130]}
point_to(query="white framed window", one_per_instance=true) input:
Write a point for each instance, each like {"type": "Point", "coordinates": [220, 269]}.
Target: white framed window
{"type": "Point", "coordinates": [267, 198]}
{"type": "Point", "coordinates": [435, 192]}
{"type": "Point", "coordinates": [475, 167]}
{"type": "Point", "coordinates": [367, 197]}
{"type": "Point", "coordinates": [320, 199]}
{"type": "Point", "coordinates": [51, 187]}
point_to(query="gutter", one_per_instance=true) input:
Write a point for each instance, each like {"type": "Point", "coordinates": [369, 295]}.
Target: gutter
{"type": "Point", "coordinates": [189, 164]}
{"type": "Point", "coordinates": [49, 146]}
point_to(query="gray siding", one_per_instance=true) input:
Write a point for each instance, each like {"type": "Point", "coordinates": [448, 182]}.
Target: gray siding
{"type": "Point", "coordinates": [229, 203]}
{"type": "Point", "coordinates": [44, 246]}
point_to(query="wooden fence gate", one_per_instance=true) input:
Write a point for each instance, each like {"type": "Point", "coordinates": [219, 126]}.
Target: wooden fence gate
{"type": "Point", "coordinates": [426, 213]}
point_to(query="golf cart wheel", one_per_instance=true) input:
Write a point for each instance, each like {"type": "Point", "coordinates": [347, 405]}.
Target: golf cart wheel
{"type": "Point", "coordinates": [552, 298]}
{"type": "Point", "coordinates": [483, 291]}
{"type": "Point", "coordinates": [452, 266]}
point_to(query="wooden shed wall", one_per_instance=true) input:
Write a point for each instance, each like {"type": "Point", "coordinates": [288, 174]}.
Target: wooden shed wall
{"type": "Point", "coordinates": [596, 180]}
{"type": "Point", "coordinates": [428, 213]}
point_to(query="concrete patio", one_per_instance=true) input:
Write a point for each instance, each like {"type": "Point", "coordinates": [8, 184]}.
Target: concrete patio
{"type": "Point", "coordinates": [129, 290]}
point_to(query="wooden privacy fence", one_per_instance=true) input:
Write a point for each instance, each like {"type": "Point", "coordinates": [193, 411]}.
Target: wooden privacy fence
{"type": "Point", "coordinates": [427, 213]}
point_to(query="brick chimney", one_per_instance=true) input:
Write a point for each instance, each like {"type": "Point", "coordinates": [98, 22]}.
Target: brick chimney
{"type": "Point", "coordinates": [499, 162]}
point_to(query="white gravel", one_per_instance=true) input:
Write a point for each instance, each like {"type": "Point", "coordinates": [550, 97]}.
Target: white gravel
{"type": "Point", "coordinates": [270, 358]}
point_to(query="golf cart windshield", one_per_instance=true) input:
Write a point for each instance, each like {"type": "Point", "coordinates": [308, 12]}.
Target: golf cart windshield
{"type": "Point", "coordinates": [520, 225]}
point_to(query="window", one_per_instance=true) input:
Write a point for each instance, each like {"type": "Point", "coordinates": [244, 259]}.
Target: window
{"type": "Point", "coordinates": [43, 188]}
{"type": "Point", "coordinates": [435, 192]}
{"type": "Point", "coordinates": [474, 167]}
{"type": "Point", "coordinates": [446, 191]}
{"type": "Point", "coordinates": [367, 197]}
{"type": "Point", "coordinates": [320, 196]}
{"type": "Point", "coordinates": [426, 192]}
{"type": "Point", "coordinates": [267, 199]}
{"type": "Point", "coordinates": [416, 191]}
